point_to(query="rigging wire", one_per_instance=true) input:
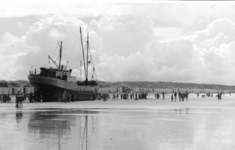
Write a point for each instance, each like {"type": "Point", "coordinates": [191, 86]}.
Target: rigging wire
{"type": "Point", "coordinates": [91, 60]}
{"type": "Point", "coordinates": [80, 64]}
{"type": "Point", "coordinates": [73, 46]}
{"type": "Point", "coordinates": [65, 58]}
{"type": "Point", "coordinates": [49, 62]}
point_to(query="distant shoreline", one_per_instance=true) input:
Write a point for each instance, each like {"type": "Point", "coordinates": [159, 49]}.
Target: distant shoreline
{"type": "Point", "coordinates": [136, 84]}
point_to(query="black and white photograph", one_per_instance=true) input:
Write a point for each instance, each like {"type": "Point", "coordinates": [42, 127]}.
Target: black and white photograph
{"type": "Point", "coordinates": [117, 75]}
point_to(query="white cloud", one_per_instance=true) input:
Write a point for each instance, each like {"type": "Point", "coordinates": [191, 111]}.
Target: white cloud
{"type": "Point", "coordinates": [125, 34]}
{"type": "Point", "coordinates": [132, 42]}
{"type": "Point", "coordinates": [81, 10]}
{"type": "Point", "coordinates": [7, 65]}
{"type": "Point", "coordinates": [220, 31]}
{"type": "Point", "coordinates": [11, 49]}
{"type": "Point", "coordinates": [55, 34]}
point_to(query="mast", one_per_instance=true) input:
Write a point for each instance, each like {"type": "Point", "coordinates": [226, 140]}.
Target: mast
{"type": "Point", "coordinates": [60, 55]}
{"type": "Point", "coordinates": [87, 58]}
{"type": "Point", "coordinates": [81, 70]}
{"type": "Point", "coordinates": [83, 53]}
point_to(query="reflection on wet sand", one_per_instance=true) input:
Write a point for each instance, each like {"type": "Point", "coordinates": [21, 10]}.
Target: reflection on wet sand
{"type": "Point", "coordinates": [58, 127]}
{"type": "Point", "coordinates": [19, 116]}
{"type": "Point", "coordinates": [114, 129]}
{"type": "Point", "coordinates": [135, 129]}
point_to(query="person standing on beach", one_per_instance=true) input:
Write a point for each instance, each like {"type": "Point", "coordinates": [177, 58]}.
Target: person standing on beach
{"type": "Point", "coordinates": [172, 97]}
{"type": "Point", "coordinates": [175, 95]}
{"type": "Point", "coordinates": [136, 98]}
{"type": "Point", "coordinates": [180, 96]}
{"type": "Point", "coordinates": [59, 97]}
{"type": "Point", "coordinates": [73, 97]}
{"type": "Point", "coordinates": [69, 97]}
{"type": "Point", "coordinates": [64, 97]}
{"type": "Point", "coordinates": [8, 98]}
{"type": "Point", "coordinates": [31, 97]}
{"type": "Point", "coordinates": [113, 96]}
{"type": "Point", "coordinates": [19, 99]}
{"type": "Point", "coordinates": [163, 95]}
{"type": "Point", "coordinates": [220, 95]}
{"type": "Point", "coordinates": [186, 95]}
{"type": "Point", "coordinates": [1, 98]}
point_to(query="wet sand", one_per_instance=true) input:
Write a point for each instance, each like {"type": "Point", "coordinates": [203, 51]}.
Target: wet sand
{"type": "Point", "coordinates": [199, 124]}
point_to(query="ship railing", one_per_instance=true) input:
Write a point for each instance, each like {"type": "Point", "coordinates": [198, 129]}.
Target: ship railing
{"type": "Point", "coordinates": [34, 72]}
{"type": "Point", "coordinates": [38, 73]}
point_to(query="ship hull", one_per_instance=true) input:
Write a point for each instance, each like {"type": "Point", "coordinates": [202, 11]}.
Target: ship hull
{"type": "Point", "coordinates": [50, 89]}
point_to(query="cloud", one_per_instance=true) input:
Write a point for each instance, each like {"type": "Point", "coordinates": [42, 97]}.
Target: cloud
{"type": "Point", "coordinates": [41, 41]}
{"type": "Point", "coordinates": [162, 60]}
{"type": "Point", "coordinates": [174, 60]}
{"type": "Point", "coordinates": [11, 49]}
{"type": "Point", "coordinates": [142, 58]}
{"type": "Point", "coordinates": [125, 34]}
{"type": "Point", "coordinates": [132, 43]}
{"type": "Point", "coordinates": [119, 68]}
{"type": "Point", "coordinates": [45, 8]}
{"type": "Point", "coordinates": [8, 67]}
{"type": "Point", "coordinates": [208, 58]}
{"type": "Point", "coordinates": [215, 45]}
{"type": "Point", "coordinates": [56, 34]}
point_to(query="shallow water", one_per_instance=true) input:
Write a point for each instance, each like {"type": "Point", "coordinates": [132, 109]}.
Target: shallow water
{"type": "Point", "coordinates": [209, 126]}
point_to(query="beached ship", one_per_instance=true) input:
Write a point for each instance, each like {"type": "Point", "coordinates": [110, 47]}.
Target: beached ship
{"type": "Point", "coordinates": [51, 83]}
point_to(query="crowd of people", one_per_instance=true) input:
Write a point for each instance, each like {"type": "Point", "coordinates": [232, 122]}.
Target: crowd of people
{"type": "Point", "coordinates": [175, 96]}
{"type": "Point", "coordinates": [68, 97]}
{"type": "Point", "coordinates": [5, 98]}
{"type": "Point", "coordinates": [182, 96]}
{"type": "Point", "coordinates": [20, 98]}
{"type": "Point", "coordinates": [209, 94]}
{"type": "Point", "coordinates": [125, 96]}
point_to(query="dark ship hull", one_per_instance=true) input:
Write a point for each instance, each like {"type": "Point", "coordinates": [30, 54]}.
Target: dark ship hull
{"type": "Point", "coordinates": [51, 89]}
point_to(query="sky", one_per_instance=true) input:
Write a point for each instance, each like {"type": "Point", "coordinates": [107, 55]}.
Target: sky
{"type": "Point", "coordinates": [153, 41]}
